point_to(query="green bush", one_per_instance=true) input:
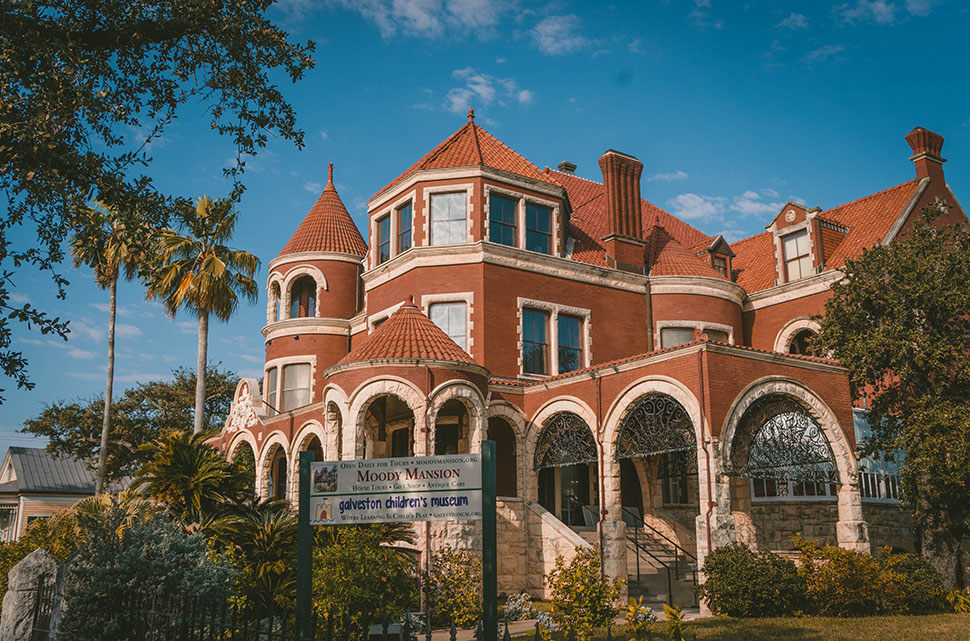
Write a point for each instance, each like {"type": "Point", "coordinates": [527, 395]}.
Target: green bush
{"type": "Point", "coordinates": [744, 583]}
{"type": "Point", "coordinates": [582, 598]}
{"type": "Point", "coordinates": [121, 560]}
{"type": "Point", "coordinates": [917, 582]}
{"type": "Point", "coordinates": [455, 587]}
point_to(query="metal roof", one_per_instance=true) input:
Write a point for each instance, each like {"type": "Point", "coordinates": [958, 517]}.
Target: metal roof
{"type": "Point", "coordinates": [38, 472]}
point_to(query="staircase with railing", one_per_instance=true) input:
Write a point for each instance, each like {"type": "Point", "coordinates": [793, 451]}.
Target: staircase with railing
{"type": "Point", "coordinates": [659, 570]}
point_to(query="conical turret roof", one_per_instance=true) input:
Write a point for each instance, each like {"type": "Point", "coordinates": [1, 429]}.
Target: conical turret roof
{"type": "Point", "coordinates": [327, 227]}
{"type": "Point", "coordinates": [408, 335]}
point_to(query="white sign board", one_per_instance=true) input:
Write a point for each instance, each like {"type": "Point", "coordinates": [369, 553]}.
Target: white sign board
{"type": "Point", "coordinates": [418, 488]}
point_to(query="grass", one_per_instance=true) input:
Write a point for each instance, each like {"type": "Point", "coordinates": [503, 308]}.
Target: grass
{"type": "Point", "coordinates": [935, 627]}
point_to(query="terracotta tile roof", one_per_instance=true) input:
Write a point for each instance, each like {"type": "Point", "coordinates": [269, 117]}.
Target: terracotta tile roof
{"type": "Point", "coordinates": [327, 227]}
{"type": "Point", "coordinates": [667, 257]}
{"type": "Point", "coordinates": [408, 334]}
{"type": "Point", "coordinates": [472, 146]}
{"type": "Point", "coordinates": [868, 220]}
{"type": "Point", "coordinates": [754, 264]}
{"type": "Point", "coordinates": [587, 223]}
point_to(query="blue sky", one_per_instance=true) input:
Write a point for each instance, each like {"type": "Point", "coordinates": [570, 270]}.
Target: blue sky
{"type": "Point", "coordinates": [733, 107]}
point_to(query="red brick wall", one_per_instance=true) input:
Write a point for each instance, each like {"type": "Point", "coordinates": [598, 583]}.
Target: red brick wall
{"type": "Point", "coordinates": [694, 307]}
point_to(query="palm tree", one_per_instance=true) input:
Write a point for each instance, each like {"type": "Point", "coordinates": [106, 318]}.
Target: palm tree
{"type": "Point", "coordinates": [102, 242]}
{"type": "Point", "coordinates": [199, 272]}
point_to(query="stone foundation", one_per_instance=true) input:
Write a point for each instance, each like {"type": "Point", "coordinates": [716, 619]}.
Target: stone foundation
{"type": "Point", "coordinates": [776, 522]}
{"type": "Point", "coordinates": [890, 524]}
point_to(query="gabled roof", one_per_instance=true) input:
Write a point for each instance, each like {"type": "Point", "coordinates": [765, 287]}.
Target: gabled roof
{"type": "Point", "coordinates": [408, 335]}
{"type": "Point", "coordinates": [587, 222]}
{"type": "Point", "coordinates": [867, 219]}
{"type": "Point", "coordinates": [35, 471]}
{"type": "Point", "coordinates": [472, 146]}
{"type": "Point", "coordinates": [665, 256]}
{"type": "Point", "coordinates": [327, 227]}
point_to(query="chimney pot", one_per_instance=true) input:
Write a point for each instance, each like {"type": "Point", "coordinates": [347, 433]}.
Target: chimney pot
{"type": "Point", "coordinates": [621, 192]}
{"type": "Point", "coordinates": [927, 147]}
{"type": "Point", "coordinates": [567, 167]}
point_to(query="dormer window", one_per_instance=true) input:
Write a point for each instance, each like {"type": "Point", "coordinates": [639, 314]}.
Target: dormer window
{"type": "Point", "coordinates": [448, 219]}
{"type": "Point", "coordinates": [538, 229]}
{"type": "Point", "coordinates": [797, 255]}
{"type": "Point", "coordinates": [720, 265]}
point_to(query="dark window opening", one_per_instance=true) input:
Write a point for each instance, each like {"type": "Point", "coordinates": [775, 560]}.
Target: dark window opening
{"type": "Point", "coordinates": [501, 220]}
{"type": "Point", "coordinates": [535, 341]}
{"type": "Point", "coordinates": [538, 229]}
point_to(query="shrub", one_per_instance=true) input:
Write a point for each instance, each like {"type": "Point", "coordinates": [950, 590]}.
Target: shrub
{"type": "Point", "coordinates": [455, 587]}
{"type": "Point", "coordinates": [744, 583]}
{"type": "Point", "coordinates": [916, 581]}
{"type": "Point", "coordinates": [845, 583]}
{"type": "Point", "coordinates": [121, 560]}
{"type": "Point", "coordinates": [582, 598]}
{"type": "Point", "coordinates": [638, 618]}
{"type": "Point", "coordinates": [518, 607]}
{"type": "Point", "coordinates": [959, 600]}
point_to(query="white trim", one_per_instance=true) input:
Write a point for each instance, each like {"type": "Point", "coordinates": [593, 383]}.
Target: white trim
{"type": "Point", "coordinates": [697, 285]}
{"type": "Point", "coordinates": [383, 315]}
{"type": "Point", "coordinates": [906, 211]}
{"type": "Point", "coordinates": [428, 175]}
{"type": "Point", "coordinates": [395, 227]}
{"type": "Point", "coordinates": [522, 200]}
{"type": "Point", "coordinates": [304, 326]}
{"type": "Point", "coordinates": [554, 310]}
{"type": "Point", "coordinates": [427, 192]}
{"type": "Point", "coordinates": [281, 362]}
{"type": "Point", "coordinates": [701, 325]}
{"type": "Point", "coordinates": [427, 300]}
{"type": "Point", "coordinates": [287, 287]}
{"type": "Point", "coordinates": [792, 327]}
{"type": "Point", "coordinates": [792, 291]}
{"type": "Point", "coordinates": [303, 257]}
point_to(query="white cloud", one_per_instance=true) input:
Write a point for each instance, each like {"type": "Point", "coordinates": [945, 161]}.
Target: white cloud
{"type": "Point", "coordinates": [920, 7]}
{"type": "Point", "coordinates": [668, 177]}
{"type": "Point", "coordinates": [823, 54]}
{"type": "Point", "coordinates": [87, 376]}
{"type": "Point", "coordinates": [750, 204]}
{"type": "Point", "coordinates": [313, 187]}
{"type": "Point", "coordinates": [877, 11]}
{"type": "Point", "coordinates": [733, 235]}
{"type": "Point", "coordinates": [636, 46]}
{"type": "Point", "coordinates": [700, 16]}
{"type": "Point", "coordinates": [82, 354]}
{"type": "Point", "coordinates": [427, 18]}
{"type": "Point", "coordinates": [85, 330]}
{"type": "Point", "coordinates": [793, 21]}
{"type": "Point", "coordinates": [252, 358]}
{"type": "Point", "coordinates": [123, 330]}
{"type": "Point", "coordinates": [696, 206]}
{"type": "Point", "coordinates": [484, 89]}
{"type": "Point", "coordinates": [769, 192]}
{"type": "Point", "coordinates": [324, 135]}
{"type": "Point", "coordinates": [557, 35]}
{"type": "Point", "coordinates": [18, 299]}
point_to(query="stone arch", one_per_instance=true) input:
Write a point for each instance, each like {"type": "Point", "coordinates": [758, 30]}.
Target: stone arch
{"type": "Point", "coordinates": [469, 396]}
{"type": "Point", "coordinates": [287, 286]}
{"type": "Point", "coordinates": [276, 441]}
{"type": "Point", "coordinates": [304, 435]}
{"type": "Point", "coordinates": [333, 432]}
{"type": "Point", "coordinates": [336, 421]}
{"type": "Point", "coordinates": [244, 439]}
{"type": "Point", "coordinates": [851, 529]}
{"type": "Point", "coordinates": [515, 418]}
{"type": "Point", "coordinates": [274, 298]}
{"type": "Point", "coordinates": [368, 392]}
{"type": "Point", "coordinates": [793, 327]}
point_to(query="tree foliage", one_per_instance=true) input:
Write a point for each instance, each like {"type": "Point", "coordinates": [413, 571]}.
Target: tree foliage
{"type": "Point", "coordinates": [900, 322]}
{"type": "Point", "coordinates": [87, 85]}
{"type": "Point", "coordinates": [582, 598]}
{"type": "Point", "coordinates": [454, 586]}
{"type": "Point", "coordinates": [143, 413]}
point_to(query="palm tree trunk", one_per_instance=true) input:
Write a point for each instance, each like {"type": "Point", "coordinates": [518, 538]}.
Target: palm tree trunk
{"type": "Point", "coordinates": [200, 372]}
{"type": "Point", "coordinates": [106, 421]}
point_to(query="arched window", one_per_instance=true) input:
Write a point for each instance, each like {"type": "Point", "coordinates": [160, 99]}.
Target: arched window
{"type": "Point", "coordinates": [303, 298]}
{"type": "Point", "coordinates": [274, 298]}
{"type": "Point", "coordinates": [506, 469]}
{"type": "Point", "coordinates": [777, 440]}
{"type": "Point", "coordinates": [566, 460]}
{"type": "Point", "coordinates": [802, 343]}
{"type": "Point", "coordinates": [451, 428]}
{"type": "Point", "coordinates": [389, 428]}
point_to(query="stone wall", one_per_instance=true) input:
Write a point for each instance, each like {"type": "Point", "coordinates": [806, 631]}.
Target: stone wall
{"type": "Point", "coordinates": [890, 524]}
{"type": "Point", "coordinates": [548, 538]}
{"type": "Point", "coordinates": [776, 522]}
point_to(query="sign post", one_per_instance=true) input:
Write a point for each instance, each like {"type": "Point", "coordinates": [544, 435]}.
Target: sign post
{"type": "Point", "coordinates": [304, 550]}
{"type": "Point", "coordinates": [489, 553]}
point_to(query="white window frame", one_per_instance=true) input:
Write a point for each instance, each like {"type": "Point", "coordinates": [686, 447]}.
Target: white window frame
{"type": "Point", "coordinates": [427, 192]}
{"type": "Point", "coordinates": [522, 199]}
{"type": "Point", "coordinates": [391, 210]}
{"type": "Point", "coordinates": [280, 363]}
{"type": "Point", "coordinates": [790, 497]}
{"type": "Point", "coordinates": [554, 310]}
{"type": "Point", "coordinates": [691, 324]}
{"type": "Point", "coordinates": [427, 300]}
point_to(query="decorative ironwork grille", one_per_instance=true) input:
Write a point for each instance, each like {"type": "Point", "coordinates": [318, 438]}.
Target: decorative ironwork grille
{"type": "Point", "coordinates": [778, 439]}
{"type": "Point", "coordinates": [565, 440]}
{"type": "Point", "coordinates": [656, 425]}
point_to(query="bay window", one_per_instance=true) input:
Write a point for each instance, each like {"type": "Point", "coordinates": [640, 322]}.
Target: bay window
{"type": "Point", "coordinates": [383, 240]}
{"type": "Point", "coordinates": [296, 386]}
{"type": "Point", "coordinates": [404, 217]}
{"type": "Point", "coordinates": [448, 219]}
{"type": "Point", "coordinates": [452, 319]}
{"type": "Point", "coordinates": [501, 220]}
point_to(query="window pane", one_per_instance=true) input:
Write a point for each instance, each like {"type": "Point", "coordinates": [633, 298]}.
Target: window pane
{"type": "Point", "coordinates": [383, 239]}
{"type": "Point", "coordinates": [296, 386]}
{"type": "Point", "coordinates": [448, 219]}
{"type": "Point", "coordinates": [570, 343]}
{"type": "Point", "coordinates": [404, 215]}
{"type": "Point", "coordinates": [538, 235]}
{"type": "Point", "coordinates": [451, 318]}
{"type": "Point", "coordinates": [673, 336]}
{"type": "Point", "coordinates": [717, 335]}
{"type": "Point", "coordinates": [271, 386]}
{"type": "Point", "coordinates": [401, 442]}
{"type": "Point", "coordinates": [535, 344]}
{"type": "Point", "coordinates": [501, 216]}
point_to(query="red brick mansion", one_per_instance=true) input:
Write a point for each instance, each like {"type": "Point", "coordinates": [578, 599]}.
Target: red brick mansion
{"type": "Point", "coordinates": [650, 389]}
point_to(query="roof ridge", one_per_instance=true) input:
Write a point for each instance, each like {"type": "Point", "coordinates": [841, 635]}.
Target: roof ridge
{"type": "Point", "coordinates": [881, 192]}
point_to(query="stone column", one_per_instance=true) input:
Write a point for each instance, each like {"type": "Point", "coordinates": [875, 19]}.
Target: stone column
{"type": "Point", "coordinates": [612, 527]}
{"type": "Point", "coordinates": [852, 531]}
{"type": "Point", "coordinates": [16, 623]}
{"type": "Point", "coordinates": [715, 524]}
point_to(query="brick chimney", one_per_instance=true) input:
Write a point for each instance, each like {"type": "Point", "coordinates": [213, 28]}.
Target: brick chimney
{"type": "Point", "coordinates": [621, 189]}
{"type": "Point", "coordinates": [927, 147]}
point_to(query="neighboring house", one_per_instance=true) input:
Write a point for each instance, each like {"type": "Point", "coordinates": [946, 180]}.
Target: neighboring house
{"type": "Point", "coordinates": [34, 485]}
{"type": "Point", "coordinates": [627, 365]}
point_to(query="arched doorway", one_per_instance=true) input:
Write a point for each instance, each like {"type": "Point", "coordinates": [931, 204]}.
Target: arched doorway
{"type": "Point", "coordinates": [388, 428]}
{"type": "Point", "coordinates": [244, 461]}
{"type": "Point", "coordinates": [565, 459]}
{"type": "Point", "coordinates": [276, 464]}
{"type": "Point", "coordinates": [506, 464]}
{"type": "Point", "coordinates": [451, 428]}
